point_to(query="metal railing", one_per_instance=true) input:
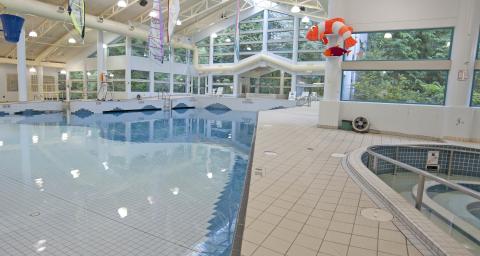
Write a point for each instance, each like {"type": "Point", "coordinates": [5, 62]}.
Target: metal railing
{"type": "Point", "coordinates": [422, 176]}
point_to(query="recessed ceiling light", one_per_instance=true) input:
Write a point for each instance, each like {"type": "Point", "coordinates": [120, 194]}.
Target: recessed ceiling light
{"type": "Point", "coordinates": [295, 9]}
{"type": "Point", "coordinates": [32, 34]}
{"type": "Point", "coordinates": [72, 40]}
{"type": "Point", "coordinates": [122, 3]}
{"type": "Point", "coordinates": [32, 70]}
{"type": "Point", "coordinates": [63, 72]}
{"type": "Point", "coordinates": [179, 22]}
{"type": "Point", "coordinates": [214, 35]}
{"type": "Point", "coordinates": [387, 35]}
{"type": "Point", "coordinates": [305, 19]}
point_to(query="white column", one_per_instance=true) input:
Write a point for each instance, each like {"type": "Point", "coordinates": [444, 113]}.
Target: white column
{"type": "Point", "coordinates": [458, 121]}
{"type": "Point", "coordinates": [100, 57]}
{"type": "Point", "coordinates": [329, 106]}
{"type": "Point", "coordinates": [22, 68]}
{"type": "Point", "coordinates": [40, 83]}
{"type": "Point", "coordinates": [333, 74]}
{"type": "Point", "coordinates": [128, 68]}
{"type": "Point", "coordinates": [152, 81]}
{"type": "Point", "coordinates": [210, 58]}
{"type": "Point", "coordinates": [210, 84]}
{"type": "Point", "coordinates": [282, 82]}
{"type": "Point", "coordinates": [171, 83]}
{"type": "Point", "coordinates": [463, 54]}
{"type": "Point", "coordinates": [236, 82]}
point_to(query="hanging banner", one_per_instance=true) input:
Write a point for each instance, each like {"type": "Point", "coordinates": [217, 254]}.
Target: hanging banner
{"type": "Point", "coordinates": [156, 32]}
{"type": "Point", "coordinates": [76, 10]}
{"type": "Point", "coordinates": [173, 12]}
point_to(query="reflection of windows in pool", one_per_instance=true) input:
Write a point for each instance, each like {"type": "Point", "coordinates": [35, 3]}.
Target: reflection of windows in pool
{"type": "Point", "coordinates": [161, 129]}
{"type": "Point", "coordinates": [179, 127]}
{"type": "Point", "coordinates": [115, 131]}
{"type": "Point", "coordinates": [140, 131]}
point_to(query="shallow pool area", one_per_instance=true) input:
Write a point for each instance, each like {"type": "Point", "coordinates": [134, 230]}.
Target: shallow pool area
{"type": "Point", "coordinates": [143, 183]}
{"type": "Point", "coordinates": [440, 180]}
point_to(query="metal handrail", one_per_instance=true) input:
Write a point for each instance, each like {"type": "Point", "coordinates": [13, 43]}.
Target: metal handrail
{"type": "Point", "coordinates": [442, 148]}
{"type": "Point", "coordinates": [422, 175]}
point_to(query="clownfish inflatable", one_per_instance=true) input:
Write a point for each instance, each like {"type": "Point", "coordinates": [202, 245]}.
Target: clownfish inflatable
{"type": "Point", "coordinates": [332, 26]}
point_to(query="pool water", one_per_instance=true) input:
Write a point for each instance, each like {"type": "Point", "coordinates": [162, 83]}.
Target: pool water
{"type": "Point", "coordinates": [453, 201]}
{"type": "Point", "coordinates": [146, 183]}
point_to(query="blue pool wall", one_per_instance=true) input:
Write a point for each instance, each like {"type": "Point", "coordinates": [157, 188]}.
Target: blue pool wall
{"type": "Point", "coordinates": [465, 162]}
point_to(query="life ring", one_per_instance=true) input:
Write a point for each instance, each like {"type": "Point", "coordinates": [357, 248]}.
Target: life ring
{"type": "Point", "coordinates": [335, 26]}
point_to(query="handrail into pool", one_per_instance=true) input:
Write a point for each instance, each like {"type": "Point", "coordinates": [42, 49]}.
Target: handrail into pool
{"type": "Point", "coordinates": [421, 180]}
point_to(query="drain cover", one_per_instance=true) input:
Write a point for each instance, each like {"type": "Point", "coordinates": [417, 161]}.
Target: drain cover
{"type": "Point", "coordinates": [338, 155]}
{"type": "Point", "coordinates": [270, 153]}
{"type": "Point", "coordinates": [34, 214]}
{"type": "Point", "coordinates": [310, 149]}
{"type": "Point", "coordinates": [377, 214]}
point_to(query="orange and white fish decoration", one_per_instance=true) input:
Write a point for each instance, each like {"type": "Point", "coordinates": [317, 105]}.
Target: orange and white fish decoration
{"type": "Point", "coordinates": [332, 26]}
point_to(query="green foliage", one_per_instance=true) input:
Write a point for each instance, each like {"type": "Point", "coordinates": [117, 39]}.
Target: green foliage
{"type": "Point", "coordinates": [424, 87]}
{"type": "Point", "coordinates": [476, 90]}
{"type": "Point", "coordinates": [424, 44]}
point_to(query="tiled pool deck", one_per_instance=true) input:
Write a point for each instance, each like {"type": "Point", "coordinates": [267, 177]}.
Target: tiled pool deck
{"type": "Point", "coordinates": [302, 202]}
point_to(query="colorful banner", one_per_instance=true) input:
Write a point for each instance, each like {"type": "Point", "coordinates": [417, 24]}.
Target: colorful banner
{"type": "Point", "coordinates": [156, 32]}
{"type": "Point", "coordinates": [76, 10]}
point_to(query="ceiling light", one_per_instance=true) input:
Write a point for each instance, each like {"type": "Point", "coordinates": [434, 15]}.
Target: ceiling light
{"type": "Point", "coordinates": [295, 9]}
{"type": "Point", "coordinates": [228, 40]}
{"type": "Point", "coordinates": [104, 46]}
{"type": "Point", "coordinates": [122, 4]}
{"type": "Point", "coordinates": [105, 166]}
{"type": "Point", "coordinates": [89, 74]}
{"type": "Point", "coordinates": [72, 40]}
{"type": "Point", "coordinates": [209, 175]}
{"type": "Point", "coordinates": [32, 70]}
{"type": "Point", "coordinates": [1, 143]}
{"type": "Point", "coordinates": [143, 3]}
{"type": "Point", "coordinates": [32, 34]}
{"type": "Point", "coordinates": [387, 35]}
{"type": "Point", "coordinates": [249, 48]}
{"type": "Point", "coordinates": [214, 35]}
{"type": "Point", "coordinates": [448, 44]}
{"type": "Point", "coordinates": [305, 19]}
{"type": "Point", "coordinates": [223, 170]}
{"type": "Point", "coordinates": [179, 22]}
{"type": "Point", "coordinates": [63, 72]}
{"type": "Point", "coordinates": [153, 14]}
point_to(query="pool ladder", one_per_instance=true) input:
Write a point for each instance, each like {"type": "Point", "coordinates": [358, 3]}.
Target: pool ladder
{"type": "Point", "coordinates": [167, 101]}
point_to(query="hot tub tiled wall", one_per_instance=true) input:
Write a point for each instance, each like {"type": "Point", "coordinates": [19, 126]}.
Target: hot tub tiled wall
{"type": "Point", "coordinates": [460, 160]}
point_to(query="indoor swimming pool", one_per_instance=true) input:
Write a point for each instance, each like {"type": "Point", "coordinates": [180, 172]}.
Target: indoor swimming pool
{"type": "Point", "coordinates": [142, 183]}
